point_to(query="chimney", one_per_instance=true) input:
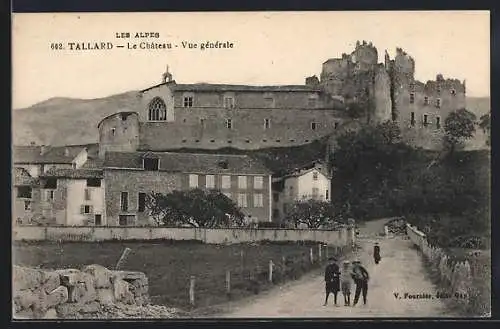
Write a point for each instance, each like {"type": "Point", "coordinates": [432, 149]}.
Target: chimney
{"type": "Point", "coordinates": [66, 152]}
{"type": "Point", "coordinates": [43, 149]}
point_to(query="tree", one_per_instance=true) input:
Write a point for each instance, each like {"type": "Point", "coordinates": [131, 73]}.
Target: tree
{"type": "Point", "coordinates": [313, 213]}
{"type": "Point", "coordinates": [458, 126]}
{"type": "Point", "coordinates": [196, 207]}
{"type": "Point", "coordinates": [485, 125]}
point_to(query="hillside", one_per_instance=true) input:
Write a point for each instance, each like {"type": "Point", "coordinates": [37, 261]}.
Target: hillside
{"type": "Point", "coordinates": [66, 121]}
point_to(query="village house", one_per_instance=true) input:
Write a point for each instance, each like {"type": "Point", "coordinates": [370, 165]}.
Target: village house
{"type": "Point", "coordinates": [310, 182]}
{"type": "Point", "coordinates": [37, 159]}
{"type": "Point", "coordinates": [130, 176]}
{"type": "Point", "coordinates": [25, 195]}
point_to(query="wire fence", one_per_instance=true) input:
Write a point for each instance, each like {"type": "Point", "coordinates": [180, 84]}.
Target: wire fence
{"type": "Point", "coordinates": [253, 275]}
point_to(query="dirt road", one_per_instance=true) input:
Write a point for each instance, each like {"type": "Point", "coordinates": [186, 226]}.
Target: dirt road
{"type": "Point", "coordinates": [400, 271]}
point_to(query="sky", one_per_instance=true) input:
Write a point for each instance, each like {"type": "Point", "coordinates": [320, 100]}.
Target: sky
{"type": "Point", "coordinates": [268, 48]}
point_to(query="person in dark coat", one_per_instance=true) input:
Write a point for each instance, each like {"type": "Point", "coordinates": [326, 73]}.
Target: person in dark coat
{"type": "Point", "coordinates": [360, 276]}
{"type": "Point", "coordinates": [332, 280]}
{"type": "Point", "coordinates": [376, 253]}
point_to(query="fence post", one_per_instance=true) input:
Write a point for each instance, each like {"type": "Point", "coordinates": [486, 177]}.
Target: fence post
{"type": "Point", "coordinates": [271, 271]}
{"type": "Point", "coordinates": [319, 252]}
{"type": "Point", "coordinates": [228, 282]}
{"type": "Point", "coordinates": [311, 255]}
{"type": "Point", "coordinates": [241, 262]}
{"type": "Point", "coordinates": [191, 290]}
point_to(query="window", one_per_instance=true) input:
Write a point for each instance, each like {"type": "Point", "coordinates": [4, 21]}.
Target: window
{"type": "Point", "coordinates": [50, 183]}
{"type": "Point", "coordinates": [291, 191]}
{"type": "Point", "coordinates": [210, 181]}
{"type": "Point", "coordinates": [412, 119]}
{"type": "Point", "coordinates": [412, 86]}
{"type": "Point", "coordinates": [269, 102]}
{"type": "Point", "coordinates": [151, 164]}
{"type": "Point", "coordinates": [87, 194]}
{"type": "Point", "coordinates": [276, 197]}
{"type": "Point", "coordinates": [86, 209]}
{"type": "Point", "coordinates": [242, 182]}
{"type": "Point", "coordinates": [438, 123]}
{"type": "Point", "coordinates": [124, 201]}
{"type": "Point", "coordinates": [141, 202]}
{"type": "Point", "coordinates": [425, 120]}
{"type": "Point", "coordinates": [276, 213]}
{"type": "Point", "coordinates": [335, 125]}
{"type": "Point", "coordinates": [122, 220]}
{"type": "Point", "coordinates": [315, 193]}
{"type": "Point", "coordinates": [438, 89]}
{"type": "Point", "coordinates": [113, 130]}
{"type": "Point", "coordinates": [258, 200]}
{"type": "Point", "coordinates": [193, 181]}
{"type": "Point", "coordinates": [188, 101]}
{"type": "Point", "coordinates": [315, 175]}
{"type": "Point", "coordinates": [226, 181]}
{"type": "Point", "coordinates": [438, 103]}
{"type": "Point", "coordinates": [50, 195]}
{"type": "Point", "coordinates": [313, 125]}
{"type": "Point", "coordinates": [242, 200]}
{"type": "Point", "coordinates": [258, 182]}
{"type": "Point", "coordinates": [157, 110]}
{"type": "Point", "coordinates": [228, 102]}
{"type": "Point", "coordinates": [98, 219]}
{"type": "Point", "coordinates": [202, 122]}
{"type": "Point", "coordinates": [426, 100]}
{"type": "Point", "coordinates": [453, 92]}
{"type": "Point", "coordinates": [27, 205]}
{"type": "Point", "coordinates": [267, 123]}
{"type": "Point", "coordinates": [24, 192]}
{"type": "Point", "coordinates": [223, 164]}
{"type": "Point", "coordinates": [229, 124]}
{"type": "Point", "coordinates": [93, 182]}
{"type": "Point", "coordinates": [412, 98]}
{"type": "Point", "coordinates": [326, 195]}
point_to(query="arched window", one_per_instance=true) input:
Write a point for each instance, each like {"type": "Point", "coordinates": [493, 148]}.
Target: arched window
{"type": "Point", "coordinates": [157, 110]}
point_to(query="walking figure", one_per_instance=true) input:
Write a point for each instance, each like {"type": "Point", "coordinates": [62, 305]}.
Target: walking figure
{"type": "Point", "coordinates": [360, 277]}
{"type": "Point", "coordinates": [376, 253]}
{"type": "Point", "coordinates": [345, 279]}
{"type": "Point", "coordinates": [332, 280]}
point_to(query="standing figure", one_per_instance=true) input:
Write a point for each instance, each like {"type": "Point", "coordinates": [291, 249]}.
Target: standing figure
{"type": "Point", "coordinates": [345, 282]}
{"type": "Point", "coordinates": [332, 279]}
{"type": "Point", "coordinates": [360, 277]}
{"type": "Point", "coordinates": [376, 253]}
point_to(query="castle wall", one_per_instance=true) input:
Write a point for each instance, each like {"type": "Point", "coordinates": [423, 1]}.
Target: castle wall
{"type": "Point", "coordinates": [287, 127]}
{"type": "Point", "coordinates": [255, 100]}
{"type": "Point", "coordinates": [382, 94]}
{"type": "Point", "coordinates": [119, 132]}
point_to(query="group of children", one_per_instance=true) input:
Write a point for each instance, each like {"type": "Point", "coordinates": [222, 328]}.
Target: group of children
{"type": "Point", "coordinates": [337, 280]}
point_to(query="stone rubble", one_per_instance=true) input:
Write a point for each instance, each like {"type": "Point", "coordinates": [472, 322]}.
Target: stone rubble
{"type": "Point", "coordinates": [93, 293]}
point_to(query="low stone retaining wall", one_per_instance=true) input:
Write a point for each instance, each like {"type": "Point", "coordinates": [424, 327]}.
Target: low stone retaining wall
{"type": "Point", "coordinates": [456, 277]}
{"type": "Point", "coordinates": [71, 293]}
{"type": "Point", "coordinates": [341, 237]}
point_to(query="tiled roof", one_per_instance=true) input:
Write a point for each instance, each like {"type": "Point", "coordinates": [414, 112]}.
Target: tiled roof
{"type": "Point", "coordinates": [93, 163]}
{"type": "Point", "coordinates": [74, 173]}
{"type": "Point", "coordinates": [188, 162]}
{"type": "Point", "coordinates": [237, 88]}
{"type": "Point", "coordinates": [23, 178]}
{"type": "Point", "coordinates": [317, 165]}
{"type": "Point", "coordinates": [32, 154]}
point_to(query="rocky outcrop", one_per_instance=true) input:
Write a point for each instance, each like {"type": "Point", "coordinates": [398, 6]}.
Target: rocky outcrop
{"type": "Point", "coordinates": [93, 292]}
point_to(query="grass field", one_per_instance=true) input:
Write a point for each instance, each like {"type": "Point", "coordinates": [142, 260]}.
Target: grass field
{"type": "Point", "coordinates": [169, 265]}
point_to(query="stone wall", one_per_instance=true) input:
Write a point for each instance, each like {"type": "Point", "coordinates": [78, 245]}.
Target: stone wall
{"type": "Point", "coordinates": [457, 279]}
{"type": "Point", "coordinates": [340, 237]}
{"type": "Point", "coordinates": [72, 293]}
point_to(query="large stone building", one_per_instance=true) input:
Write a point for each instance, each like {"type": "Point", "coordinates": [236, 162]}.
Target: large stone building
{"type": "Point", "coordinates": [211, 116]}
